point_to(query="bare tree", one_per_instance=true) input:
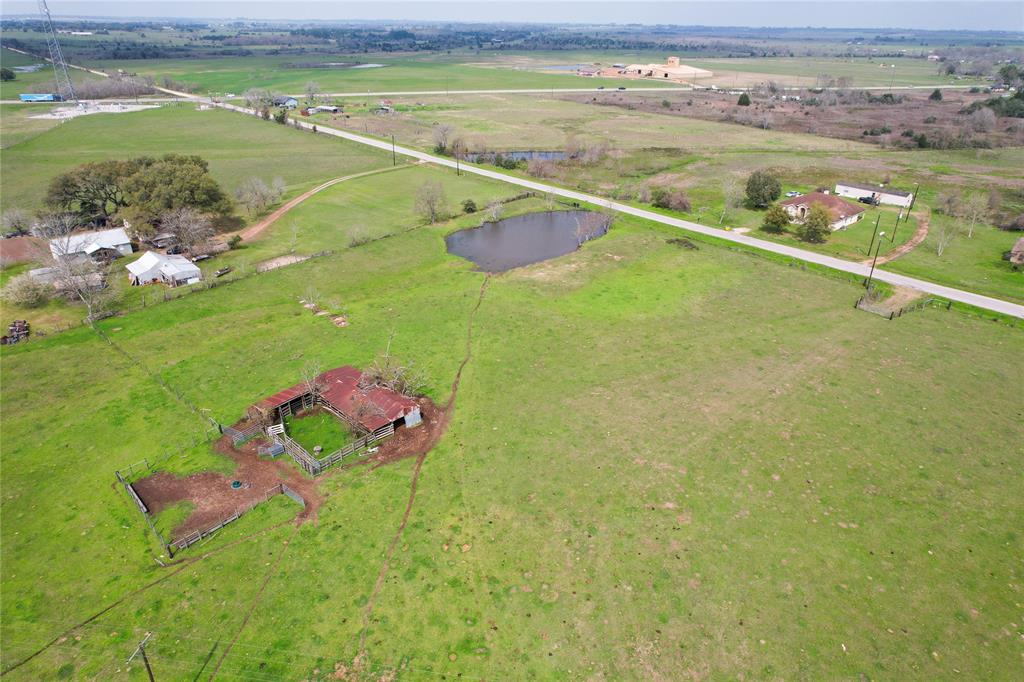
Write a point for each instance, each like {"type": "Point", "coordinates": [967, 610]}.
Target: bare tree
{"type": "Point", "coordinates": [257, 98]}
{"type": "Point", "coordinates": [191, 228]}
{"type": "Point", "coordinates": [256, 195]}
{"type": "Point", "coordinates": [53, 225]}
{"type": "Point", "coordinates": [973, 208]}
{"type": "Point", "coordinates": [278, 186]}
{"type": "Point", "coordinates": [590, 225]}
{"type": "Point", "coordinates": [79, 277]}
{"type": "Point", "coordinates": [732, 194]}
{"type": "Point", "coordinates": [983, 120]}
{"type": "Point", "coordinates": [311, 372]}
{"type": "Point", "coordinates": [16, 220]}
{"type": "Point", "coordinates": [431, 202]}
{"type": "Point", "coordinates": [388, 372]}
{"type": "Point", "coordinates": [312, 91]}
{"type": "Point", "coordinates": [945, 232]}
{"type": "Point", "coordinates": [494, 210]}
{"type": "Point", "coordinates": [442, 134]}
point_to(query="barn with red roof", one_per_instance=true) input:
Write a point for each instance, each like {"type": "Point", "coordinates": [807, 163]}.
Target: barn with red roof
{"type": "Point", "coordinates": [345, 393]}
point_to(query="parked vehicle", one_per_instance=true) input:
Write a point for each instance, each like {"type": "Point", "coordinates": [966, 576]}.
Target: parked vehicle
{"type": "Point", "coordinates": [622, 87]}
{"type": "Point", "coordinates": [792, 194]}
{"type": "Point", "coordinates": [870, 201]}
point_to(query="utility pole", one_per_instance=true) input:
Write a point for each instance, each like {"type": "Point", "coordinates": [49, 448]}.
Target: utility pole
{"type": "Point", "coordinates": [873, 233]}
{"type": "Point", "coordinates": [871, 274]}
{"type": "Point", "coordinates": [141, 649]}
{"type": "Point", "coordinates": [394, 158]}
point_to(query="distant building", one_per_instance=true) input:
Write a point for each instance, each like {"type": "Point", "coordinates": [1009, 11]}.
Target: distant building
{"type": "Point", "coordinates": [285, 102]}
{"type": "Point", "coordinates": [671, 70]}
{"type": "Point", "coordinates": [155, 267]}
{"type": "Point", "coordinates": [322, 108]}
{"type": "Point", "coordinates": [98, 245]}
{"type": "Point", "coordinates": [879, 194]}
{"type": "Point", "coordinates": [843, 213]}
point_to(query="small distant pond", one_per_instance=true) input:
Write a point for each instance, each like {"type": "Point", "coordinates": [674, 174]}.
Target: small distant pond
{"type": "Point", "coordinates": [525, 239]}
{"type": "Point", "coordinates": [529, 155]}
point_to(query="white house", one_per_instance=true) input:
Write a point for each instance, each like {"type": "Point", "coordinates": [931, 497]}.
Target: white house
{"type": "Point", "coordinates": [100, 244]}
{"type": "Point", "coordinates": [157, 267]}
{"type": "Point", "coordinates": [842, 212]}
{"type": "Point", "coordinates": [877, 193]}
{"type": "Point", "coordinates": [285, 102]}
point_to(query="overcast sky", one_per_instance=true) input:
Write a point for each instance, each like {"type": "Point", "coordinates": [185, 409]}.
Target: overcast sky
{"type": "Point", "coordinates": [922, 14]}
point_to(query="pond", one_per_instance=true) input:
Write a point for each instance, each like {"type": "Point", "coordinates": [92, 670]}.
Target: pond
{"type": "Point", "coordinates": [488, 157]}
{"type": "Point", "coordinates": [525, 239]}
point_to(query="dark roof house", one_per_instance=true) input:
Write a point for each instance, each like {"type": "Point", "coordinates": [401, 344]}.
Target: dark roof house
{"type": "Point", "coordinates": [843, 212]}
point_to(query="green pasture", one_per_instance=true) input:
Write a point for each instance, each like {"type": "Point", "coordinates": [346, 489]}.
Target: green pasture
{"type": "Point", "coordinates": [41, 81]}
{"type": "Point", "coordinates": [726, 499]}
{"type": "Point", "coordinates": [319, 428]}
{"type": "Point", "coordinates": [284, 73]}
{"type": "Point", "coordinates": [236, 147]}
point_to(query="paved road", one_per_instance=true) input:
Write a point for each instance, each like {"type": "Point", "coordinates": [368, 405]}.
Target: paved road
{"type": "Point", "coordinates": [977, 300]}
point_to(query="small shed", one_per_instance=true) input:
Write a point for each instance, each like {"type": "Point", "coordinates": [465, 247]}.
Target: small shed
{"type": "Point", "coordinates": [155, 267]}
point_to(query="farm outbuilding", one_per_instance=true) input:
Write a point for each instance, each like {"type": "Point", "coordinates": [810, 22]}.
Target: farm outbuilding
{"type": "Point", "coordinates": [671, 70]}
{"type": "Point", "coordinates": [285, 102]}
{"type": "Point", "coordinates": [96, 245]}
{"type": "Point", "coordinates": [878, 194]}
{"type": "Point", "coordinates": [843, 213]}
{"type": "Point", "coordinates": [345, 393]}
{"type": "Point", "coordinates": [157, 267]}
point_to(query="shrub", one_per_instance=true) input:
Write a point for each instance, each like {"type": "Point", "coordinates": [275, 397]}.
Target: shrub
{"type": "Point", "coordinates": [763, 188]}
{"type": "Point", "coordinates": [744, 100]}
{"type": "Point", "coordinates": [27, 292]}
{"type": "Point", "coordinates": [469, 206]}
{"type": "Point", "coordinates": [776, 220]}
{"type": "Point", "coordinates": [936, 95]}
{"type": "Point", "coordinates": [235, 241]}
{"type": "Point", "coordinates": [672, 199]}
{"type": "Point", "coordinates": [815, 228]}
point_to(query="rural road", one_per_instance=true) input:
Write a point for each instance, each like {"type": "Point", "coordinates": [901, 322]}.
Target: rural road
{"type": "Point", "coordinates": [859, 269]}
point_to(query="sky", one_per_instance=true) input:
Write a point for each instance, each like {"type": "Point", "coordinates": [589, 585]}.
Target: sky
{"type": "Point", "coordinates": [920, 14]}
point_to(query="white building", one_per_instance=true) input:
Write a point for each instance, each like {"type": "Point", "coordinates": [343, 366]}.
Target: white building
{"type": "Point", "coordinates": [877, 193]}
{"type": "Point", "coordinates": [100, 244]}
{"type": "Point", "coordinates": [157, 267]}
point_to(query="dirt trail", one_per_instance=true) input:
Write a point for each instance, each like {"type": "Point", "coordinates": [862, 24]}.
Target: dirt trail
{"type": "Point", "coordinates": [919, 236]}
{"type": "Point", "coordinates": [257, 229]}
{"type": "Point", "coordinates": [442, 425]}
{"type": "Point", "coordinates": [271, 572]}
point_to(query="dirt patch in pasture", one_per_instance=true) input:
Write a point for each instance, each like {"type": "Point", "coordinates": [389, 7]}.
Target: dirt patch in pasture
{"type": "Point", "coordinates": [212, 494]}
{"type": "Point", "coordinates": [21, 249]}
{"type": "Point", "coordinates": [411, 442]}
{"type": "Point", "coordinates": [279, 262]}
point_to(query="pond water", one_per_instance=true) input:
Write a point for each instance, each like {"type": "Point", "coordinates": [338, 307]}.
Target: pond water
{"type": "Point", "coordinates": [488, 157]}
{"type": "Point", "coordinates": [525, 239]}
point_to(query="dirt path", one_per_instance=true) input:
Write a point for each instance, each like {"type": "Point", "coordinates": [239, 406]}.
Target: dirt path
{"type": "Point", "coordinates": [919, 236]}
{"type": "Point", "coordinates": [257, 229]}
{"type": "Point", "coordinates": [271, 572]}
{"type": "Point", "coordinates": [442, 425]}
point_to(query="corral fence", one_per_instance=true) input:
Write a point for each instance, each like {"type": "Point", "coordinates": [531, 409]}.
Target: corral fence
{"type": "Point", "coordinates": [196, 536]}
{"type": "Point", "coordinates": [144, 510]}
{"type": "Point", "coordinates": [879, 308]}
{"type": "Point", "coordinates": [239, 436]}
{"type": "Point", "coordinates": [313, 466]}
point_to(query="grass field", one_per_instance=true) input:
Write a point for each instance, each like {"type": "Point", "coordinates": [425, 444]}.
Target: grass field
{"type": "Point", "coordinates": [319, 428]}
{"type": "Point", "coordinates": [406, 72]}
{"type": "Point", "coordinates": [41, 81]}
{"type": "Point", "coordinates": [756, 480]}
